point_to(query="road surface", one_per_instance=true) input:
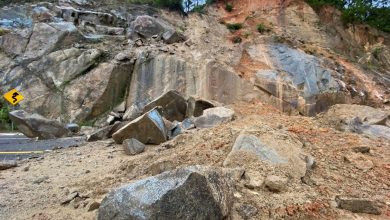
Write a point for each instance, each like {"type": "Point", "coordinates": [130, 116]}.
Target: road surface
{"type": "Point", "coordinates": [16, 145]}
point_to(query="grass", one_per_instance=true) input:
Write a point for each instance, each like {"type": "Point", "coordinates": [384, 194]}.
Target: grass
{"type": "Point", "coordinates": [234, 26]}
{"type": "Point", "coordinates": [237, 39]}
{"type": "Point", "coordinates": [229, 7]}
{"type": "Point", "coordinates": [261, 28]}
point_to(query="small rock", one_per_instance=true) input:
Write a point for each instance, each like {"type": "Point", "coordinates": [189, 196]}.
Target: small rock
{"type": "Point", "coordinates": [214, 116]}
{"type": "Point", "coordinates": [358, 205]}
{"type": "Point", "coordinates": [363, 150]}
{"type": "Point", "coordinates": [69, 198]}
{"type": "Point", "coordinates": [133, 146]}
{"type": "Point", "coordinates": [7, 164]}
{"type": "Point", "coordinates": [27, 168]}
{"type": "Point", "coordinates": [93, 206]}
{"type": "Point", "coordinates": [171, 36]}
{"type": "Point", "coordinates": [40, 180]}
{"type": "Point", "coordinates": [247, 211]}
{"type": "Point", "coordinates": [276, 183]}
{"type": "Point", "coordinates": [359, 161]}
{"type": "Point", "coordinates": [74, 128]}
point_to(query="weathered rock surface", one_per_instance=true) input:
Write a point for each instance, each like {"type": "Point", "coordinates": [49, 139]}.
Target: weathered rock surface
{"type": "Point", "coordinates": [93, 94]}
{"type": "Point", "coordinates": [148, 129]}
{"type": "Point", "coordinates": [45, 38]}
{"type": "Point", "coordinates": [133, 146]}
{"type": "Point", "coordinates": [34, 125]}
{"type": "Point", "coordinates": [297, 79]}
{"type": "Point", "coordinates": [267, 150]}
{"type": "Point", "coordinates": [173, 106]}
{"type": "Point", "coordinates": [214, 116]}
{"type": "Point", "coordinates": [147, 26]}
{"type": "Point", "coordinates": [276, 183]}
{"type": "Point", "coordinates": [378, 131]}
{"type": "Point", "coordinates": [188, 193]}
{"type": "Point", "coordinates": [358, 205]}
{"type": "Point", "coordinates": [252, 144]}
{"type": "Point", "coordinates": [63, 66]}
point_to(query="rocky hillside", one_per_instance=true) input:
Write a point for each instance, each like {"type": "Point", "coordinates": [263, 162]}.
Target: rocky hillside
{"type": "Point", "coordinates": [270, 64]}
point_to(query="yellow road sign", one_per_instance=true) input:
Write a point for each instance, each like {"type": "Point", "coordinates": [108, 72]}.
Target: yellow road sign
{"type": "Point", "coordinates": [13, 97]}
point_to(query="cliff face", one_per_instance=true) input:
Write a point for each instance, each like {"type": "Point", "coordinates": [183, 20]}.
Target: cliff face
{"type": "Point", "coordinates": [80, 63]}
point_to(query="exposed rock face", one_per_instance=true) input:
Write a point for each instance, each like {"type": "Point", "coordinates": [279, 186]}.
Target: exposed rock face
{"type": "Point", "coordinates": [158, 75]}
{"type": "Point", "coordinates": [214, 116]}
{"type": "Point", "coordinates": [148, 129]}
{"type": "Point", "coordinates": [173, 106]}
{"type": "Point", "coordinates": [187, 193]}
{"type": "Point", "coordinates": [63, 66]}
{"type": "Point", "coordinates": [296, 78]}
{"type": "Point", "coordinates": [94, 93]}
{"type": "Point", "coordinates": [34, 125]}
{"type": "Point", "coordinates": [46, 38]}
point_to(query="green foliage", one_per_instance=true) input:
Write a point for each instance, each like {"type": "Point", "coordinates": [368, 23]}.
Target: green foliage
{"type": "Point", "coordinates": [261, 28]}
{"type": "Point", "coordinates": [4, 115]}
{"type": "Point", "coordinates": [237, 39]}
{"type": "Point", "coordinates": [229, 7]}
{"type": "Point", "coordinates": [234, 26]}
{"type": "Point", "coordinates": [376, 13]}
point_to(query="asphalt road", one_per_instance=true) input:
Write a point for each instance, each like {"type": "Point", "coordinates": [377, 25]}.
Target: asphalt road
{"type": "Point", "coordinates": [15, 145]}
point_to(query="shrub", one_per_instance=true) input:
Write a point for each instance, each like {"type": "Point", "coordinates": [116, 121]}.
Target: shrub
{"type": "Point", "coordinates": [4, 115]}
{"type": "Point", "coordinates": [229, 7]}
{"type": "Point", "coordinates": [237, 39]}
{"type": "Point", "coordinates": [261, 28]}
{"type": "Point", "coordinates": [234, 26]}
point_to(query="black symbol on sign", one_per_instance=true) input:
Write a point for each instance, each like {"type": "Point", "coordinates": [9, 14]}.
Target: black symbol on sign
{"type": "Point", "coordinates": [14, 97]}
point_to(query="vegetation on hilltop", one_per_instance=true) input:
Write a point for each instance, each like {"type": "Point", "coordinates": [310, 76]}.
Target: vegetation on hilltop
{"type": "Point", "coordinates": [376, 13]}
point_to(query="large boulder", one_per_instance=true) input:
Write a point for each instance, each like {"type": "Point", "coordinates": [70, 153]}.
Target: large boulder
{"type": "Point", "coordinates": [34, 125]}
{"type": "Point", "coordinates": [264, 151]}
{"type": "Point", "coordinates": [173, 106]}
{"type": "Point", "coordinates": [253, 145]}
{"type": "Point", "coordinates": [214, 116]}
{"type": "Point", "coordinates": [195, 192]}
{"type": "Point", "coordinates": [148, 129]}
{"type": "Point", "coordinates": [147, 26]}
